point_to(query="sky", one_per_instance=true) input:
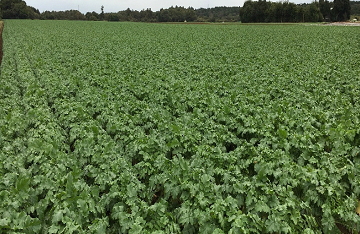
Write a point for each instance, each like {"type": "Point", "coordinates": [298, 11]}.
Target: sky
{"type": "Point", "coordinates": [119, 5]}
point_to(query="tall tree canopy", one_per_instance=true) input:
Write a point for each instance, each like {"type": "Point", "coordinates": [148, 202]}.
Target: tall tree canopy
{"type": "Point", "coordinates": [251, 11]}
{"type": "Point", "coordinates": [341, 10]}
{"type": "Point", "coordinates": [17, 9]}
{"type": "Point", "coordinates": [263, 11]}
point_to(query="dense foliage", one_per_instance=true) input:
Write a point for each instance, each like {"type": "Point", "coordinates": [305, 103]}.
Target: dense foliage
{"type": "Point", "coordinates": [62, 15]}
{"type": "Point", "coordinates": [175, 128]}
{"type": "Point", "coordinates": [252, 11]}
{"type": "Point", "coordinates": [341, 10]}
{"type": "Point", "coordinates": [355, 8]}
{"type": "Point", "coordinates": [266, 11]}
{"type": "Point", "coordinates": [17, 9]}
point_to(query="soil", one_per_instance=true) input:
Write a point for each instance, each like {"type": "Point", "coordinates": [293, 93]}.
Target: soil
{"type": "Point", "coordinates": [343, 24]}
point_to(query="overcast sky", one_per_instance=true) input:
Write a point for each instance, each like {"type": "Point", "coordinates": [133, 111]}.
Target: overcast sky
{"type": "Point", "coordinates": [119, 5]}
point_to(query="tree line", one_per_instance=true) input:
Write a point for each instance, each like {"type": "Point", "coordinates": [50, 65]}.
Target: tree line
{"type": "Point", "coordinates": [265, 11]}
{"type": "Point", "coordinates": [355, 8]}
{"type": "Point", "coordinates": [172, 14]}
{"type": "Point", "coordinates": [251, 11]}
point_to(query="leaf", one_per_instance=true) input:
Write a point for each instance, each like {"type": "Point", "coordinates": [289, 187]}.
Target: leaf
{"type": "Point", "coordinates": [261, 206]}
{"type": "Point", "coordinates": [57, 216]}
{"type": "Point", "coordinates": [22, 184]}
{"type": "Point", "coordinates": [282, 133]}
{"type": "Point", "coordinates": [53, 229]}
{"type": "Point", "coordinates": [4, 223]}
{"type": "Point", "coordinates": [218, 231]}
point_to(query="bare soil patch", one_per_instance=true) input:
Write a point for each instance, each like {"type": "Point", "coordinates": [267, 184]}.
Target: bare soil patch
{"type": "Point", "coordinates": [343, 24]}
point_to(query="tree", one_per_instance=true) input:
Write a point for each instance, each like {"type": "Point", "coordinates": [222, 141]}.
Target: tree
{"type": "Point", "coordinates": [176, 14]}
{"type": "Point", "coordinates": [312, 13]}
{"type": "Point", "coordinates": [355, 8]}
{"type": "Point", "coordinates": [146, 15]}
{"type": "Point", "coordinates": [248, 11]}
{"type": "Point", "coordinates": [289, 12]}
{"type": "Point", "coordinates": [17, 9]}
{"type": "Point", "coordinates": [62, 15]}
{"type": "Point", "coordinates": [324, 6]}
{"type": "Point", "coordinates": [92, 16]}
{"type": "Point", "coordinates": [101, 16]}
{"type": "Point", "coordinates": [275, 12]}
{"type": "Point", "coordinates": [113, 17]}
{"type": "Point", "coordinates": [341, 10]}
{"type": "Point", "coordinates": [190, 14]}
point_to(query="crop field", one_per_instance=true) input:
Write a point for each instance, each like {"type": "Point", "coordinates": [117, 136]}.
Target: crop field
{"type": "Point", "coordinates": [179, 128]}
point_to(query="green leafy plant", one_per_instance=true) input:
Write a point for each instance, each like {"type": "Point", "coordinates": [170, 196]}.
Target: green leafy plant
{"type": "Point", "coordinates": [159, 128]}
